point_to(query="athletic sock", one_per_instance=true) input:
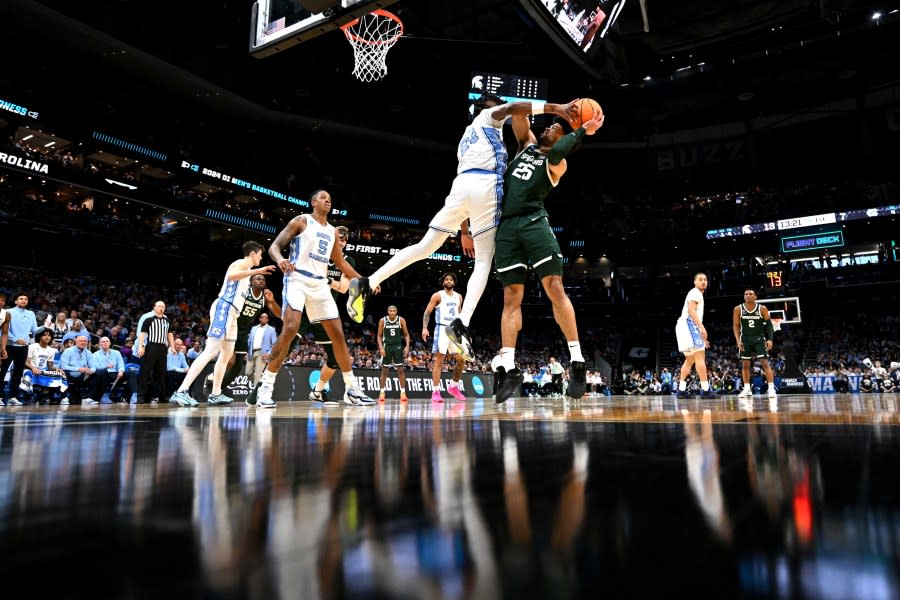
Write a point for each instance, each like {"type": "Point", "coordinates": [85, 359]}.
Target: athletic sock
{"type": "Point", "coordinates": [575, 351]}
{"type": "Point", "coordinates": [508, 358]}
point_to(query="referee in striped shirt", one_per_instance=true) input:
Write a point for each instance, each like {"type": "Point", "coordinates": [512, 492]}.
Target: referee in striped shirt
{"type": "Point", "coordinates": [155, 341]}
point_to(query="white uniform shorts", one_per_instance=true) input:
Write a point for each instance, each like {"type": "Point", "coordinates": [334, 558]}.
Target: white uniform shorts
{"type": "Point", "coordinates": [303, 293]}
{"type": "Point", "coordinates": [688, 336]}
{"type": "Point", "coordinates": [222, 321]}
{"type": "Point", "coordinates": [440, 342]}
{"type": "Point", "coordinates": [475, 195]}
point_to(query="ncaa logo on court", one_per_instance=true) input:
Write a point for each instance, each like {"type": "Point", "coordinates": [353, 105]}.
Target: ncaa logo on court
{"type": "Point", "coordinates": [314, 379]}
{"type": "Point", "coordinates": [477, 385]}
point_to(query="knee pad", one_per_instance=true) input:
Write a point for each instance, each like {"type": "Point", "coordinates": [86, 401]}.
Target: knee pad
{"type": "Point", "coordinates": [330, 360]}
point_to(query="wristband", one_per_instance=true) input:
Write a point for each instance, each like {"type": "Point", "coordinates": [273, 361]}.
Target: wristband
{"type": "Point", "coordinates": [537, 108]}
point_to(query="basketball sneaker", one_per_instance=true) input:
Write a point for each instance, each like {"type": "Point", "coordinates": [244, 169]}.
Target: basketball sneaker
{"type": "Point", "coordinates": [454, 391]}
{"type": "Point", "coordinates": [684, 395]}
{"type": "Point", "coordinates": [499, 374]}
{"type": "Point", "coordinates": [436, 396]}
{"type": "Point", "coordinates": [356, 397]}
{"type": "Point", "coordinates": [217, 399]}
{"type": "Point", "coordinates": [577, 380]}
{"type": "Point", "coordinates": [264, 395]}
{"type": "Point", "coordinates": [322, 397]}
{"type": "Point", "coordinates": [509, 385]}
{"type": "Point", "coordinates": [771, 393]}
{"type": "Point", "coordinates": [746, 392]}
{"type": "Point", "coordinates": [358, 293]}
{"type": "Point", "coordinates": [182, 399]}
{"type": "Point", "coordinates": [459, 335]}
{"type": "Point", "coordinates": [404, 397]}
{"type": "Point", "coordinates": [381, 396]}
{"type": "Point", "coordinates": [708, 395]}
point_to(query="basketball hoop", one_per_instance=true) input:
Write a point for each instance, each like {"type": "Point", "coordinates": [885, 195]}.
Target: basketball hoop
{"type": "Point", "coordinates": [371, 36]}
{"type": "Point", "coordinates": [776, 323]}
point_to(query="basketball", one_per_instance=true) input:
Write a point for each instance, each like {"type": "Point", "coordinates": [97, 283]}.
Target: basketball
{"type": "Point", "coordinates": [587, 108]}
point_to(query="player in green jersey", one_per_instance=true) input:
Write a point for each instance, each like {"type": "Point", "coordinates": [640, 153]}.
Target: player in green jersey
{"type": "Point", "coordinates": [754, 333]}
{"type": "Point", "coordinates": [393, 345]}
{"type": "Point", "coordinates": [525, 239]}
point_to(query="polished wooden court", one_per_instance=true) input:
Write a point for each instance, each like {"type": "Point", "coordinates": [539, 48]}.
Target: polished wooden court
{"type": "Point", "coordinates": [614, 497]}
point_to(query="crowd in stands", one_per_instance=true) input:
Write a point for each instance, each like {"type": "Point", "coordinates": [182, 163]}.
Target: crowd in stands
{"type": "Point", "coordinates": [861, 344]}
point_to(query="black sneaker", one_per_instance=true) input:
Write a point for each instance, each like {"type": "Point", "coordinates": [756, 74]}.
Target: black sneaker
{"type": "Point", "coordinates": [511, 384]}
{"type": "Point", "coordinates": [684, 395]}
{"type": "Point", "coordinates": [708, 395]}
{"type": "Point", "coordinates": [577, 381]}
{"type": "Point", "coordinates": [459, 335]}
{"type": "Point", "coordinates": [358, 293]}
{"type": "Point", "coordinates": [322, 397]}
{"type": "Point", "coordinates": [499, 375]}
{"type": "Point", "coordinates": [250, 400]}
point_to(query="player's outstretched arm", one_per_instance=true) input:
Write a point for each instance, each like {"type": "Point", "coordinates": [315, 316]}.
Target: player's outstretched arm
{"type": "Point", "coordinates": [566, 111]}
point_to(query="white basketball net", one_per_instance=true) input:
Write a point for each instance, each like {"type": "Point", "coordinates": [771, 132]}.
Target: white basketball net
{"type": "Point", "coordinates": [371, 36]}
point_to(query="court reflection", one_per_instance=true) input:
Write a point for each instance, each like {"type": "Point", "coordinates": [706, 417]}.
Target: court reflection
{"type": "Point", "coordinates": [403, 501]}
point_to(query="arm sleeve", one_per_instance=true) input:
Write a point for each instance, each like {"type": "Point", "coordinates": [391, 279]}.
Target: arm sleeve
{"type": "Point", "coordinates": [564, 145]}
{"type": "Point", "coordinates": [769, 330]}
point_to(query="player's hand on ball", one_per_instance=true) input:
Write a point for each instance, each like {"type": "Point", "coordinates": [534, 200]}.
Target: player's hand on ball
{"type": "Point", "coordinates": [591, 126]}
{"type": "Point", "coordinates": [573, 112]}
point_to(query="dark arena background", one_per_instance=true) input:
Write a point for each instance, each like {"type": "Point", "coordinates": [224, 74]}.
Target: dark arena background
{"type": "Point", "coordinates": [141, 144]}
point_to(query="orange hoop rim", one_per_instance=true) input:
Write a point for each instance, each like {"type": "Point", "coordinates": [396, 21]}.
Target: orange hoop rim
{"type": "Point", "coordinates": [381, 13]}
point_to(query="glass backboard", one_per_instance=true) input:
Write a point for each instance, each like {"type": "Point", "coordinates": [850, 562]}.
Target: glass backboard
{"type": "Point", "coordinates": [280, 24]}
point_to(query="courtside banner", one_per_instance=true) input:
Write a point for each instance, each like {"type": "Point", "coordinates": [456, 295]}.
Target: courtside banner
{"type": "Point", "coordinates": [295, 383]}
{"type": "Point", "coordinates": [824, 384]}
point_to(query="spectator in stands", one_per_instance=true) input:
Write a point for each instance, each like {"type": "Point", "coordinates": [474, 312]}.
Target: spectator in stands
{"type": "Point", "coordinates": [76, 362]}
{"type": "Point", "coordinates": [109, 371]}
{"type": "Point", "coordinates": [665, 381]}
{"type": "Point", "coordinates": [46, 383]}
{"type": "Point", "coordinates": [194, 352]}
{"type": "Point", "coordinates": [176, 367]}
{"type": "Point", "coordinates": [59, 328]}
{"type": "Point", "coordinates": [76, 330]}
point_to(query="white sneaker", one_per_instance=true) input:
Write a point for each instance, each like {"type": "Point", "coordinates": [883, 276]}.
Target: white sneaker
{"type": "Point", "coordinates": [772, 394]}
{"type": "Point", "coordinates": [264, 396]}
{"type": "Point", "coordinates": [182, 399]}
{"type": "Point", "coordinates": [747, 392]}
{"type": "Point", "coordinates": [88, 402]}
{"type": "Point", "coordinates": [14, 402]}
{"type": "Point", "coordinates": [356, 397]}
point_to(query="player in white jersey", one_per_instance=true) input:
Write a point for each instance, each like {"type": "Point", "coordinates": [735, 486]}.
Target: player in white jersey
{"type": "Point", "coordinates": [307, 287]}
{"type": "Point", "coordinates": [222, 333]}
{"type": "Point", "coordinates": [446, 305]}
{"type": "Point", "coordinates": [692, 339]}
{"type": "Point", "coordinates": [473, 205]}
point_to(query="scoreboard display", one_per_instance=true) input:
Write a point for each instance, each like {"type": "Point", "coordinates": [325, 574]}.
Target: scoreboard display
{"type": "Point", "coordinates": [512, 88]}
